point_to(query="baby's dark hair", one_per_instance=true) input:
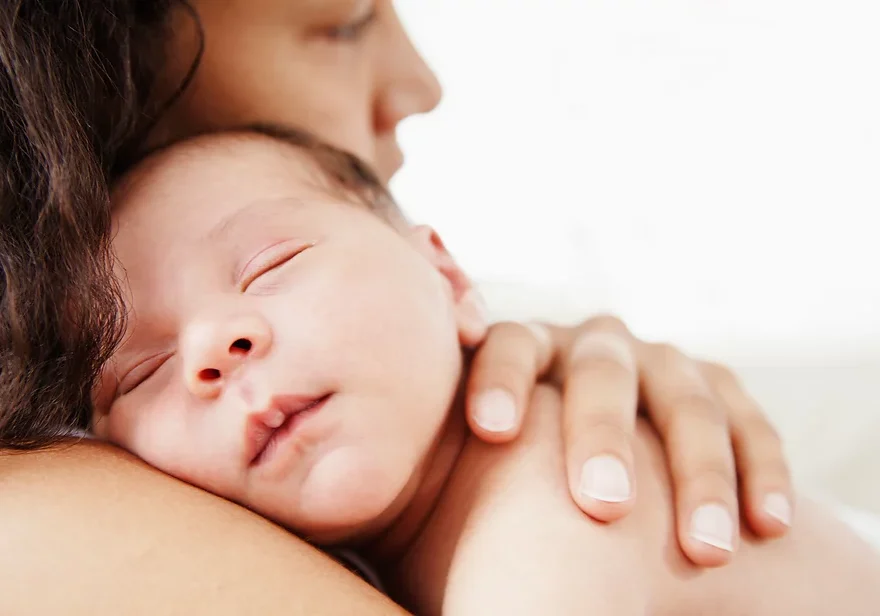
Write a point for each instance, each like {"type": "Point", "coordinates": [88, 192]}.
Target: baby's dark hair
{"type": "Point", "coordinates": [79, 91]}
{"type": "Point", "coordinates": [339, 172]}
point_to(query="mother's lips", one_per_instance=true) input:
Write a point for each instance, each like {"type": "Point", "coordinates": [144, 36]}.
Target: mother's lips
{"type": "Point", "coordinates": [266, 427]}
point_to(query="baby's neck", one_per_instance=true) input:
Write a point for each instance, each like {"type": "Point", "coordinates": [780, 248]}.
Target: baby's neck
{"type": "Point", "coordinates": [393, 544]}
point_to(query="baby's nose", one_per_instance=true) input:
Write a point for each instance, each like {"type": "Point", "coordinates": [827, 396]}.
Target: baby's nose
{"type": "Point", "coordinates": [214, 349]}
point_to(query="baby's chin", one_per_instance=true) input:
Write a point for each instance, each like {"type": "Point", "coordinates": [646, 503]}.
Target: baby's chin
{"type": "Point", "coordinates": [349, 494]}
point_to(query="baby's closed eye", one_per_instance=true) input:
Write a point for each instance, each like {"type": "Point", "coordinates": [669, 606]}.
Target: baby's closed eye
{"type": "Point", "coordinates": [140, 373]}
{"type": "Point", "coordinates": [267, 262]}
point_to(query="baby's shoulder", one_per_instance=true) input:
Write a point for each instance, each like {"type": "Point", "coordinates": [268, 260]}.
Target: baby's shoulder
{"type": "Point", "coordinates": [511, 535]}
{"type": "Point", "coordinates": [526, 476]}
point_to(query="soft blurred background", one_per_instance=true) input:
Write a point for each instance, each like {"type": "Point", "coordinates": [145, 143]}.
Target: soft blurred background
{"type": "Point", "coordinates": [709, 170]}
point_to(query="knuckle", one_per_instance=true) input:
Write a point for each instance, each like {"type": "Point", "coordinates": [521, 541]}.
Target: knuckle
{"type": "Point", "coordinates": [540, 334]}
{"type": "Point", "coordinates": [759, 431]}
{"type": "Point", "coordinates": [607, 428]}
{"type": "Point", "coordinates": [697, 406]}
{"type": "Point", "coordinates": [509, 331]}
{"type": "Point", "coordinates": [666, 350]}
{"type": "Point", "coordinates": [596, 349]}
{"type": "Point", "coordinates": [668, 356]}
{"type": "Point", "coordinates": [719, 374]}
{"type": "Point", "coordinates": [769, 462]}
{"type": "Point", "coordinates": [761, 449]}
{"type": "Point", "coordinates": [607, 323]}
{"type": "Point", "coordinates": [765, 471]}
{"type": "Point", "coordinates": [523, 342]}
{"type": "Point", "coordinates": [608, 366]}
{"type": "Point", "coordinates": [508, 369]}
{"type": "Point", "coordinates": [710, 474]}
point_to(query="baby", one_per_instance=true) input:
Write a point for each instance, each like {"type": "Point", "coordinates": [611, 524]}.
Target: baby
{"type": "Point", "coordinates": [294, 346]}
{"type": "Point", "coordinates": [291, 345]}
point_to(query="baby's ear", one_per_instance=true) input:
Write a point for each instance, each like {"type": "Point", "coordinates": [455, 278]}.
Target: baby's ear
{"type": "Point", "coordinates": [470, 312]}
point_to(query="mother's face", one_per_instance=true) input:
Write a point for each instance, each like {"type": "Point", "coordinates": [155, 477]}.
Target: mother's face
{"type": "Point", "coordinates": [342, 69]}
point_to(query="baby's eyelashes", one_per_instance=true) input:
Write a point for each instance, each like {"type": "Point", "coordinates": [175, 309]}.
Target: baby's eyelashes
{"type": "Point", "coordinates": [269, 260]}
{"type": "Point", "coordinates": [140, 373]}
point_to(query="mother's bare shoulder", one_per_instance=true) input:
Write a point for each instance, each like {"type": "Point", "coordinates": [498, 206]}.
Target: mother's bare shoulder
{"type": "Point", "coordinates": [88, 529]}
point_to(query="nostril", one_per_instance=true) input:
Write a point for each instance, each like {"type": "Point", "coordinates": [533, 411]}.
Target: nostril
{"type": "Point", "coordinates": [242, 345]}
{"type": "Point", "coordinates": [209, 374]}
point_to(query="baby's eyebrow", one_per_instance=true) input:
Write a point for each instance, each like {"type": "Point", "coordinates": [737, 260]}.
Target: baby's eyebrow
{"type": "Point", "coordinates": [220, 232]}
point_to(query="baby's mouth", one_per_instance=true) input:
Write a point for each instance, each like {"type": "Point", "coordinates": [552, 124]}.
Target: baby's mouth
{"type": "Point", "coordinates": [267, 428]}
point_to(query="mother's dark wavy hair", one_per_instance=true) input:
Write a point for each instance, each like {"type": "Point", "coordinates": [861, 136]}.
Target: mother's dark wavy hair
{"type": "Point", "coordinates": [76, 83]}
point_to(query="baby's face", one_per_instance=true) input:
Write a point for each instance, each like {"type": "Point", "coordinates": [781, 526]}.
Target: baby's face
{"type": "Point", "coordinates": [285, 350]}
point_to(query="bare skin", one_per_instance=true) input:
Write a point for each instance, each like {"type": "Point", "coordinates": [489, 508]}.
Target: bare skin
{"type": "Point", "coordinates": [73, 528]}
{"type": "Point", "coordinates": [62, 512]}
{"type": "Point", "coordinates": [505, 538]}
{"type": "Point", "coordinates": [347, 71]}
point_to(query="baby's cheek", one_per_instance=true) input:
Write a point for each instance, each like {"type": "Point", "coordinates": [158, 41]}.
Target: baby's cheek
{"type": "Point", "coordinates": [159, 441]}
{"type": "Point", "coordinates": [347, 488]}
{"type": "Point", "coordinates": [157, 432]}
{"type": "Point", "coordinates": [132, 426]}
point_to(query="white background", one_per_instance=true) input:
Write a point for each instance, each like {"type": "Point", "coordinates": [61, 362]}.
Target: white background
{"type": "Point", "coordinates": [707, 169]}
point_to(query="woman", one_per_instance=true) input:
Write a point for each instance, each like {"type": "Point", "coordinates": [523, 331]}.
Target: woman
{"type": "Point", "coordinates": [345, 70]}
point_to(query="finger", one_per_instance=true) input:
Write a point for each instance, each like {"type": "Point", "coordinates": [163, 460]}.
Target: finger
{"type": "Point", "coordinates": [564, 339]}
{"type": "Point", "coordinates": [599, 409]}
{"type": "Point", "coordinates": [697, 441]}
{"type": "Point", "coordinates": [766, 487]}
{"type": "Point", "coordinates": [503, 374]}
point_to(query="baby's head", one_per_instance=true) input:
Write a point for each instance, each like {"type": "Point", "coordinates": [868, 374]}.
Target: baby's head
{"type": "Point", "coordinates": [291, 345]}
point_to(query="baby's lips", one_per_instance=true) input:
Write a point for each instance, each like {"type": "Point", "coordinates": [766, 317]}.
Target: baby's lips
{"type": "Point", "coordinates": [259, 430]}
{"type": "Point", "coordinates": [262, 425]}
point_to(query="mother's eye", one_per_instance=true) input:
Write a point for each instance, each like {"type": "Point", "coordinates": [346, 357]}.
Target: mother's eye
{"type": "Point", "coordinates": [353, 30]}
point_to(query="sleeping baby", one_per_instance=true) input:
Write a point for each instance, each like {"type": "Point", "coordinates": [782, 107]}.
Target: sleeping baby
{"type": "Point", "coordinates": [294, 346]}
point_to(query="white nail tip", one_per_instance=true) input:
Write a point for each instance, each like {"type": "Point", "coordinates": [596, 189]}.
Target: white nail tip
{"type": "Point", "coordinates": [713, 525]}
{"type": "Point", "coordinates": [604, 478]}
{"type": "Point", "coordinates": [778, 507]}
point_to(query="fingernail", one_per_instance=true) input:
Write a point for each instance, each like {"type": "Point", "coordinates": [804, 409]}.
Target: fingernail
{"type": "Point", "coordinates": [777, 507]}
{"type": "Point", "coordinates": [604, 478]}
{"type": "Point", "coordinates": [713, 524]}
{"type": "Point", "coordinates": [496, 411]}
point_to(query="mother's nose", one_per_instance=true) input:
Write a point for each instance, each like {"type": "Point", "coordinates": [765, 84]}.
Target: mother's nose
{"type": "Point", "coordinates": [214, 348]}
{"type": "Point", "coordinates": [406, 85]}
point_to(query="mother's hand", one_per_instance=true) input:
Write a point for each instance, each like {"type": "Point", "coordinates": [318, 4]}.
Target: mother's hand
{"type": "Point", "coordinates": [712, 430]}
